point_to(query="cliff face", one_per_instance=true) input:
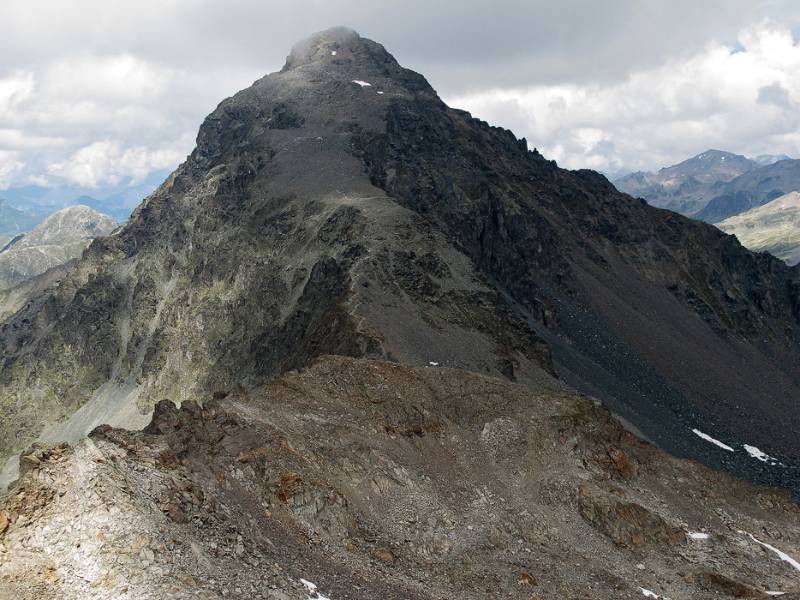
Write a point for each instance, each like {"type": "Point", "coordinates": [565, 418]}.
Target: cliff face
{"type": "Point", "coordinates": [339, 206]}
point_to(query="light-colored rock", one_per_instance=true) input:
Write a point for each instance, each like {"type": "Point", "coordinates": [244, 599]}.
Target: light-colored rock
{"type": "Point", "coordinates": [773, 227]}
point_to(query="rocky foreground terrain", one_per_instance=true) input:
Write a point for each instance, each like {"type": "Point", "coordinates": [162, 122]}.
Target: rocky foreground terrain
{"type": "Point", "coordinates": [367, 479]}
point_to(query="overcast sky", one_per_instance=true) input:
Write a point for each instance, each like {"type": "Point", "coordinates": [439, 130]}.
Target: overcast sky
{"type": "Point", "coordinates": [94, 91]}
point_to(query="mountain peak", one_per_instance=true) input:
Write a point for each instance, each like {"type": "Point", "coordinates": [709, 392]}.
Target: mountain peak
{"type": "Point", "coordinates": [707, 167]}
{"type": "Point", "coordinates": [72, 222]}
{"type": "Point", "coordinates": [340, 53]}
{"type": "Point", "coordinates": [324, 44]}
{"type": "Point", "coordinates": [712, 155]}
{"type": "Point", "coordinates": [333, 78]}
{"type": "Point", "coordinates": [341, 48]}
{"type": "Point", "coordinates": [338, 211]}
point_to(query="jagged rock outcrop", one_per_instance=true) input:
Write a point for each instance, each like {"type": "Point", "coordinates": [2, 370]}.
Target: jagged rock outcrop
{"type": "Point", "coordinates": [339, 206]}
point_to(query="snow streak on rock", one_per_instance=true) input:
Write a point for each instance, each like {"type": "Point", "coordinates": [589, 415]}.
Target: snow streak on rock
{"type": "Point", "coordinates": [708, 438]}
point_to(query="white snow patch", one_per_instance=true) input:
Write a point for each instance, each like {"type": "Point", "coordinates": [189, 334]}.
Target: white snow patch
{"type": "Point", "coordinates": [759, 455]}
{"type": "Point", "coordinates": [698, 535]}
{"type": "Point", "coordinates": [381, 93]}
{"type": "Point", "coordinates": [708, 438]}
{"type": "Point", "coordinates": [782, 555]}
{"type": "Point", "coordinates": [648, 594]}
{"type": "Point", "coordinates": [433, 364]}
{"type": "Point", "coordinates": [775, 593]}
{"type": "Point", "coordinates": [312, 589]}
{"type": "Point", "coordinates": [333, 52]}
{"type": "Point", "coordinates": [362, 83]}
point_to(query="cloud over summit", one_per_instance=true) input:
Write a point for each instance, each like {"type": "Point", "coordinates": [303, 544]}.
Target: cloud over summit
{"type": "Point", "coordinates": [94, 92]}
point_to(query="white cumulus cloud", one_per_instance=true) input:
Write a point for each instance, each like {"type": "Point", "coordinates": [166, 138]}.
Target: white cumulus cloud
{"type": "Point", "coordinates": [107, 162]}
{"type": "Point", "coordinates": [98, 119]}
{"type": "Point", "coordinates": [742, 98]}
{"type": "Point", "coordinates": [10, 165]}
{"type": "Point", "coordinates": [14, 89]}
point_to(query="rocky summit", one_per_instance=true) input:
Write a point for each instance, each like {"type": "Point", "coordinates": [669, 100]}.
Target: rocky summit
{"type": "Point", "coordinates": [338, 208]}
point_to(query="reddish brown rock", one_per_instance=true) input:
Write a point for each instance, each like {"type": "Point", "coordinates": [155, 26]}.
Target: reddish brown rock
{"type": "Point", "coordinates": [628, 524]}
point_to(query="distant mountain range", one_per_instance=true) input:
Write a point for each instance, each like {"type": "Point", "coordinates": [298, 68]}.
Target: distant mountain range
{"type": "Point", "coordinates": [34, 202]}
{"type": "Point", "coordinates": [23, 208]}
{"type": "Point", "coordinates": [714, 184]}
{"type": "Point", "coordinates": [61, 237]}
{"type": "Point", "coordinates": [768, 159]}
{"type": "Point", "coordinates": [752, 189]}
{"type": "Point", "coordinates": [773, 227]}
{"type": "Point", "coordinates": [14, 221]}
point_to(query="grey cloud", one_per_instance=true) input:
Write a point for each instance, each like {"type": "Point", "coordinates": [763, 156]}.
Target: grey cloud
{"type": "Point", "coordinates": [460, 45]}
{"type": "Point", "coordinates": [184, 56]}
{"type": "Point", "coordinates": [774, 94]}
